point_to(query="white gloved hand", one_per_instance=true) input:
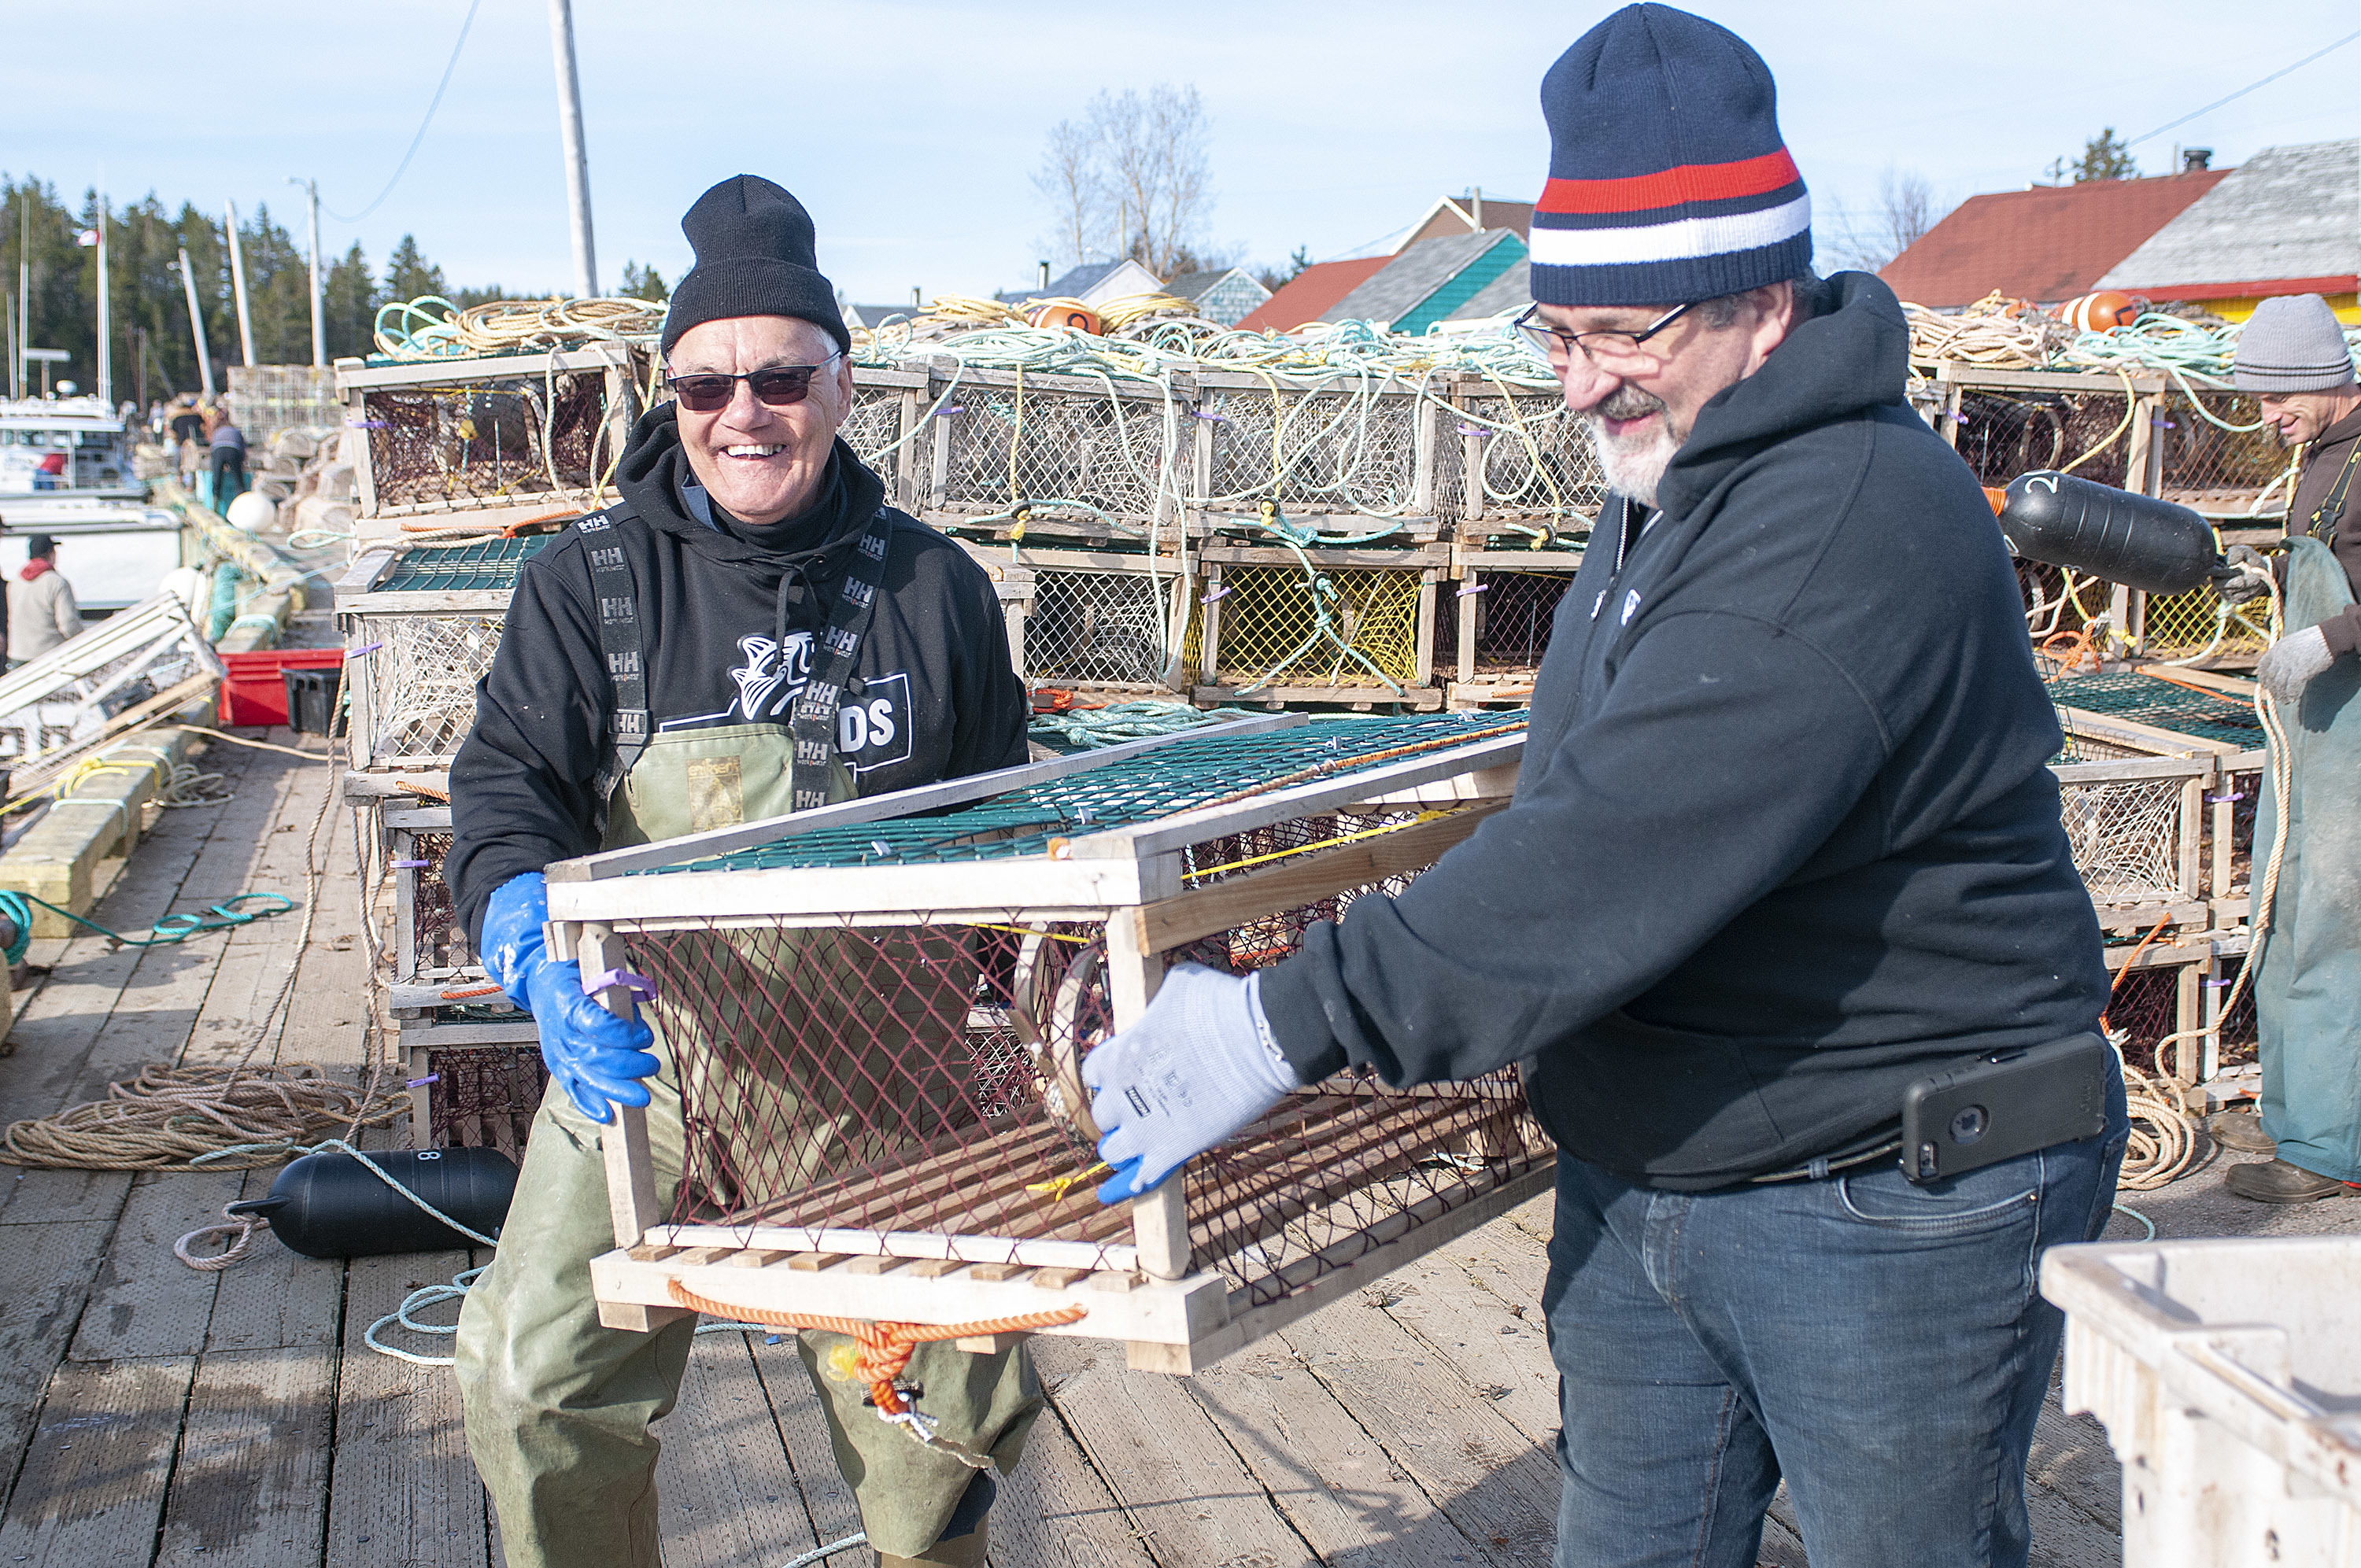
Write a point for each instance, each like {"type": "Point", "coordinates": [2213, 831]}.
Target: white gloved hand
{"type": "Point", "coordinates": [1198, 1068]}
{"type": "Point", "coordinates": [2289, 664]}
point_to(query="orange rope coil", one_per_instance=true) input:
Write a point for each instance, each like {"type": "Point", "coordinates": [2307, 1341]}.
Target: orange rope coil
{"type": "Point", "coordinates": [885, 1347]}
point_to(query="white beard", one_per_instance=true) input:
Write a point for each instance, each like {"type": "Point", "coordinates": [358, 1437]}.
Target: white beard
{"type": "Point", "coordinates": [1633, 467]}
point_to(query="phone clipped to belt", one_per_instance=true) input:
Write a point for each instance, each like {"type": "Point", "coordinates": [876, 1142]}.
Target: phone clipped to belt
{"type": "Point", "coordinates": [2003, 1106]}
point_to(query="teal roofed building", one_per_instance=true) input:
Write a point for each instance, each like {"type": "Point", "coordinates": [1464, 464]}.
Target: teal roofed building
{"type": "Point", "coordinates": [1431, 281]}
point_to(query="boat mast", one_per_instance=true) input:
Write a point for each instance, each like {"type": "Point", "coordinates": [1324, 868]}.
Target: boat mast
{"type": "Point", "coordinates": [319, 328]}
{"type": "Point", "coordinates": [105, 321]}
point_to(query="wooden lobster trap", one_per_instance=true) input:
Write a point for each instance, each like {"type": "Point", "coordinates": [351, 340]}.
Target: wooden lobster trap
{"type": "Point", "coordinates": [1515, 469]}
{"type": "Point", "coordinates": [424, 623]}
{"type": "Point", "coordinates": [1091, 619]}
{"type": "Point", "coordinates": [513, 435]}
{"type": "Point", "coordinates": [1354, 628]}
{"type": "Point", "coordinates": [1078, 460]}
{"type": "Point", "coordinates": [878, 1019]}
{"type": "Point", "coordinates": [1349, 454]}
{"type": "Point", "coordinates": [1492, 623]}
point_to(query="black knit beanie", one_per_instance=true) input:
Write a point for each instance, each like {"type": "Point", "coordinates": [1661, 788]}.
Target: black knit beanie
{"type": "Point", "coordinates": [754, 258]}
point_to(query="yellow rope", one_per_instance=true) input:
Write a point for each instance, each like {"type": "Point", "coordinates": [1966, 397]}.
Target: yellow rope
{"type": "Point", "coordinates": [1319, 844]}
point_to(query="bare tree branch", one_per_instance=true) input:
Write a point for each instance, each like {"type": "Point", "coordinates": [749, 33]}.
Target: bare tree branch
{"type": "Point", "coordinates": [1132, 179]}
{"type": "Point", "coordinates": [1071, 180]}
{"type": "Point", "coordinates": [1906, 210]}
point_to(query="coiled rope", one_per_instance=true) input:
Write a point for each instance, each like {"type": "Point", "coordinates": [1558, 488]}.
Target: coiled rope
{"type": "Point", "coordinates": [197, 1118]}
{"type": "Point", "coordinates": [432, 327]}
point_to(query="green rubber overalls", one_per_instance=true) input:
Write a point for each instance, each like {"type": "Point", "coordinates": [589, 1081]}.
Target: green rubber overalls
{"type": "Point", "coordinates": [2308, 981]}
{"type": "Point", "coordinates": [559, 1408]}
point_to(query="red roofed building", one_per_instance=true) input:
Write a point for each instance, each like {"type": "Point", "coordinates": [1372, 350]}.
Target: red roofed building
{"type": "Point", "coordinates": [1311, 292]}
{"type": "Point", "coordinates": [2047, 245]}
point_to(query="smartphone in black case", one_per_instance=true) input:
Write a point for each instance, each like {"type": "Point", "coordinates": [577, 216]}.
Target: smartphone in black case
{"type": "Point", "coordinates": [2003, 1106]}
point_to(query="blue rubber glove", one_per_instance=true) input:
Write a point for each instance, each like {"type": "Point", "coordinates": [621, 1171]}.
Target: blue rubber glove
{"type": "Point", "coordinates": [597, 1055]}
{"type": "Point", "coordinates": [2293, 662]}
{"type": "Point", "coordinates": [1198, 1068]}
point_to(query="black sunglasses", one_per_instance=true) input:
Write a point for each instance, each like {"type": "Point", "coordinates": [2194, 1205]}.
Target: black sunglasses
{"type": "Point", "coordinates": [775, 386]}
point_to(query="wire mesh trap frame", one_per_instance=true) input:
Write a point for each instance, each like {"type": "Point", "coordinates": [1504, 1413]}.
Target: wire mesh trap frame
{"type": "Point", "coordinates": [1071, 456]}
{"type": "Point", "coordinates": [1493, 624]}
{"type": "Point", "coordinates": [424, 626]}
{"type": "Point", "coordinates": [1517, 464]}
{"type": "Point", "coordinates": [446, 435]}
{"type": "Point", "coordinates": [880, 1064]}
{"type": "Point", "coordinates": [1319, 626]}
{"type": "Point", "coordinates": [1103, 621]}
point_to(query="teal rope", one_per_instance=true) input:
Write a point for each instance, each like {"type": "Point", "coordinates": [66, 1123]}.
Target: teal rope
{"type": "Point", "coordinates": [171, 929]}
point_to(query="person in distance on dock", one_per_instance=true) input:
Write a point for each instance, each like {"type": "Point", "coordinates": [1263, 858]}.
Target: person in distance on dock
{"type": "Point", "coordinates": [752, 631]}
{"type": "Point", "coordinates": [41, 609]}
{"type": "Point", "coordinates": [2292, 357]}
{"type": "Point", "coordinates": [1785, 845]}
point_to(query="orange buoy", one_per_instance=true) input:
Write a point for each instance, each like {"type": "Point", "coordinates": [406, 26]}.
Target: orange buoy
{"type": "Point", "coordinates": [1066, 312]}
{"type": "Point", "coordinates": [2103, 311]}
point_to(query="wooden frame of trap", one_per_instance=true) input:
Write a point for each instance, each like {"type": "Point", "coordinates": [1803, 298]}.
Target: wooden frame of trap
{"type": "Point", "coordinates": [1174, 1311]}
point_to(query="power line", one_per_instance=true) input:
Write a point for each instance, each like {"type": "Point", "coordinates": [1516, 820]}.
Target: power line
{"type": "Point", "coordinates": [2241, 91]}
{"type": "Point", "coordinates": [435, 103]}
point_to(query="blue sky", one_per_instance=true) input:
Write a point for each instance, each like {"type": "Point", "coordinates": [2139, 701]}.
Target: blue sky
{"type": "Point", "coordinates": [911, 129]}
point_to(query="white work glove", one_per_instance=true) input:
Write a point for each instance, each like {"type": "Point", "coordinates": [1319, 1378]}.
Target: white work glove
{"type": "Point", "coordinates": [1198, 1068]}
{"type": "Point", "coordinates": [2289, 664]}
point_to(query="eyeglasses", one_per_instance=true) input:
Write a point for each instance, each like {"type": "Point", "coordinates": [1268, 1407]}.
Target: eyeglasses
{"type": "Point", "coordinates": [1607, 350]}
{"type": "Point", "coordinates": [775, 386]}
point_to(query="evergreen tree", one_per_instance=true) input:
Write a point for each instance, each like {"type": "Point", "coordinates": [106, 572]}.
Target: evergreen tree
{"type": "Point", "coordinates": [644, 284]}
{"type": "Point", "coordinates": [408, 276]}
{"type": "Point", "coordinates": [348, 303]}
{"type": "Point", "coordinates": [2106, 157]}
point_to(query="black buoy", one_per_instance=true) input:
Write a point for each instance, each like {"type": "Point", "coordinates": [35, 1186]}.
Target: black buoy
{"type": "Point", "coordinates": [2137, 541]}
{"type": "Point", "coordinates": [327, 1205]}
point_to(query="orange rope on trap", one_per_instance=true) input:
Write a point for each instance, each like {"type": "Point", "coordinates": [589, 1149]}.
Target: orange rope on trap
{"type": "Point", "coordinates": [473, 991]}
{"type": "Point", "coordinates": [885, 1347]}
{"type": "Point", "coordinates": [427, 790]}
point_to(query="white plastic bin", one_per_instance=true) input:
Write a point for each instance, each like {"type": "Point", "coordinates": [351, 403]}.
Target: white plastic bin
{"type": "Point", "coordinates": [2228, 1374]}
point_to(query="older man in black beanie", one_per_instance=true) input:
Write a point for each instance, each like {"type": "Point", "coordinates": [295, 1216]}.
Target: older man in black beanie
{"type": "Point", "coordinates": [752, 632]}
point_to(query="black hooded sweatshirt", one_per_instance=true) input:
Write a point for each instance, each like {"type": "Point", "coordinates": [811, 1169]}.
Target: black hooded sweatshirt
{"type": "Point", "coordinates": [935, 697]}
{"type": "Point", "coordinates": [1783, 839]}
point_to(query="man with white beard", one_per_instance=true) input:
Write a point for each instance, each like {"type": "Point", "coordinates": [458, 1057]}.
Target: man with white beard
{"type": "Point", "coordinates": [1784, 861]}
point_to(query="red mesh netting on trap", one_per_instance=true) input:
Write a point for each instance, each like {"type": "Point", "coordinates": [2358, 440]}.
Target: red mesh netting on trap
{"type": "Point", "coordinates": [923, 1077]}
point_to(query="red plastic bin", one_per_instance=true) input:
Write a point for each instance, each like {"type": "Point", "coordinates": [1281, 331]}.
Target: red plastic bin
{"type": "Point", "coordinates": [253, 691]}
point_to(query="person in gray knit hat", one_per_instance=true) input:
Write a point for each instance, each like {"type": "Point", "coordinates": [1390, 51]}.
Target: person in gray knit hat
{"type": "Point", "coordinates": [2293, 356]}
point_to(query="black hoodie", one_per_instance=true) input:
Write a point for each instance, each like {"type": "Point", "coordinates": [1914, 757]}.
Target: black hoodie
{"type": "Point", "coordinates": [718, 601]}
{"type": "Point", "coordinates": [1784, 838]}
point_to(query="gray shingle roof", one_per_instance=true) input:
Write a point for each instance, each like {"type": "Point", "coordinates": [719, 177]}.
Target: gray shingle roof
{"type": "Point", "coordinates": [1411, 277]}
{"type": "Point", "coordinates": [1511, 291]}
{"type": "Point", "coordinates": [2287, 212]}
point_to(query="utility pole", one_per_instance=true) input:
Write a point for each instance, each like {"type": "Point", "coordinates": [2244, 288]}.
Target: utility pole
{"type": "Point", "coordinates": [197, 324]}
{"type": "Point", "coordinates": [319, 323]}
{"type": "Point", "coordinates": [578, 160]}
{"type": "Point", "coordinates": [237, 288]}
{"type": "Point", "coordinates": [24, 293]}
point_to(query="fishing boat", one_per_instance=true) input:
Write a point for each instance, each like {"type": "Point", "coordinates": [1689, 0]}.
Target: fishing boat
{"type": "Point", "coordinates": [96, 447]}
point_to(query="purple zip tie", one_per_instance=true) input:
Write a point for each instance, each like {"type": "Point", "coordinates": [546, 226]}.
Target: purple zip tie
{"type": "Point", "coordinates": [423, 1082]}
{"type": "Point", "coordinates": [951, 409]}
{"type": "Point", "coordinates": [2216, 984]}
{"type": "Point", "coordinates": [407, 865]}
{"type": "Point", "coordinates": [364, 648]}
{"type": "Point", "coordinates": [1473, 430]}
{"type": "Point", "coordinates": [1472, 589]}
{"type": "Point", "coordinates": [2227, 799]}
{"type": "Point", "coordinates": [1222, 592]}
{"type": "Point", "coordinates": [638, 985]}
{"type": "Point", "coordinates": [1210, 418]}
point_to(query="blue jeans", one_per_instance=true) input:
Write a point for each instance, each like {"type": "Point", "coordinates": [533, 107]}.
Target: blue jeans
{"type": "Point", "coordinates": [1881, 1345]}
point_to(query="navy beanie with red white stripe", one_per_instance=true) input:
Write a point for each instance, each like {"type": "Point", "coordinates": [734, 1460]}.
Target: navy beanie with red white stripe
{"type": "Point", "coordinates": [1668, 179]}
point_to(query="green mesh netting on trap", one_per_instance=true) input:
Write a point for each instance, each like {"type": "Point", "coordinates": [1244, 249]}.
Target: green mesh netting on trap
{"type": "Point", "coordinates": [1172, 778]}
{"type": "Point", "coordinates": [2202, 716]}
{"type": "Point", "coordinates": [469, 569]}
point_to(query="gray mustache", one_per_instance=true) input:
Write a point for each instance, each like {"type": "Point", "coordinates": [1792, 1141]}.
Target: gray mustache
{"type": "Point", "coordinates": [1626, 401]}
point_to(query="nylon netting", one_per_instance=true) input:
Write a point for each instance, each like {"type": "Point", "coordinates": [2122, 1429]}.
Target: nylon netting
{"type": "Point", "coordinates": [1178, 776]}
{"type": "Point", "coordinates": [1335, 626]}
{"type": "Point", "coordinates": [422, 680]}
{"type": "Point", "coordinates": [515, 436]}
{"type": "Point", "coordinates": [1535, 462]}
{"type": "Point", "coordinates": [483, 1096]}
{"type": "Point", "coordinates": [922, 1080]}
{"type": "Point", "coordinates": [1097, 626]}
{"type": "Point", "coordinates": [2150, 699]}
{"type": "Point", "coordinates": [2125, 837]}
{"type": "Point", "coordinates": [2003, 434]}
{"type": "Point", "coordinates": [484, 566]}
{"type": "Point", "coordinates": [872, 424]}
{"type": "Point", "coordinates": [2198, 624]}
{"type": "Point", "coordinates": [2225, 473]}
{"type": "Point", "coordinates": [2146, 1007]}
{"type": "Point", "coordinates": [1348, 444]}
{"type": "Point", "coordinates": [1087, 461]}
{"type": "Point", "coordinates": [1513, 612]}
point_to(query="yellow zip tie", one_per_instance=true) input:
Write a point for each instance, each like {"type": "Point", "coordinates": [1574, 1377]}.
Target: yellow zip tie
{"type": "Point", "coordinates": [1058, 1187]}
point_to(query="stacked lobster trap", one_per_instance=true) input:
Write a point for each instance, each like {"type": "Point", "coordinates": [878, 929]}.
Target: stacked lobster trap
{"type": "Point", "coordinates": [879, 1012]}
